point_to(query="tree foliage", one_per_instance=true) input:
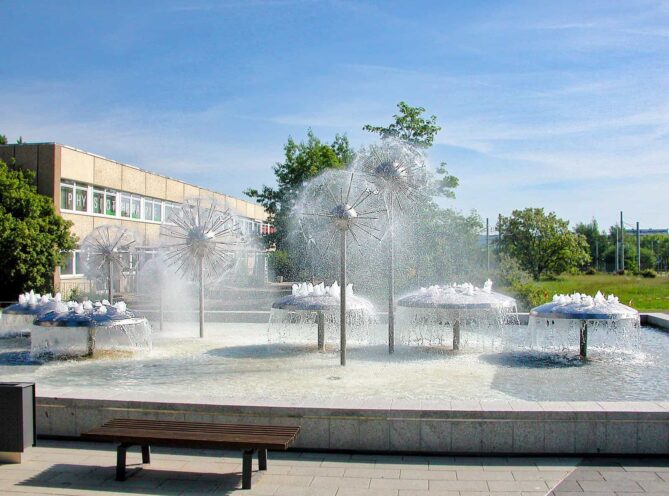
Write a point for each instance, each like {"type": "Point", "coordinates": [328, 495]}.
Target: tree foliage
{"type": "Point", "coordinates": [411, 126]}
{"type": "Point", "coordinates": [542, 244]}
{"type": "Point", "coordinates": [302, 161]}
{"type": "Point", "coordinates": [3, 139]}
{"type": "Point", "coordinates": [32, 235]}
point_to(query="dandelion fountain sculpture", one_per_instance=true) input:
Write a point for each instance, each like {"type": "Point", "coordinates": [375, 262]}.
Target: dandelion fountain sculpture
{"type": "Point", "coordinates": [428, 312]}
{"type": "Point", "coordinates": [105, 250]}
{"type": "Point", "coordinates": [338, 204]}
{"type": "Point", "coordinates": [202, 242]}
{"type": "Point", "coordinates": [604, 316]}
{"type": "Point", "coordinates": [399, 172]}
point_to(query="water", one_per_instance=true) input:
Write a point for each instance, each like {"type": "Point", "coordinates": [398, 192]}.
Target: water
{"type": "Point", "coordinates": [236, 364]}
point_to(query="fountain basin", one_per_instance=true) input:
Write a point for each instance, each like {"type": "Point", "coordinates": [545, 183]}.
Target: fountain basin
{"type": "Point", "coordinates": [18, 319]}
{"type": "Point", "coordinates": [295, 317]}
{"type": "Point", "coordinates": [77, 333]}
{"type": "Point", "coordinates": [580, 319]}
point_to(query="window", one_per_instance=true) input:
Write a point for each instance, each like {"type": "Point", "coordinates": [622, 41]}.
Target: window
{"type": "Point", "coordinates": [110, 202]}
{"type": "Point", "coordinates": [136, 207]}
{"type": "Point", "coordinates": [98, 201]}
{"type": "Point", "coordinates": [131, 206]}
{"type": "Point", "coordinates": [81, 197]}
{"type": "Point", "coordinates": [148, 210]}
{"type": "Point", "coordinates": [72, 264]}
{"type": "Point", "coordinates": [171, 210]}
{"type": "Point", "coordinates": [152, 210]}
{"type": "Point", "coordinates": [66, 195]}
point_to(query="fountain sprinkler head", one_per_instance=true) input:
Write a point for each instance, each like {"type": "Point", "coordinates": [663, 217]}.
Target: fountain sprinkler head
{"type": "Point", "coordinates": [396, 168]}
{"type": "Point", "coordinates": [343, 215]}
{"type": "Point", "coordinates": [199, 234]}
{"type": "Point", "coordinates": [106, 248]}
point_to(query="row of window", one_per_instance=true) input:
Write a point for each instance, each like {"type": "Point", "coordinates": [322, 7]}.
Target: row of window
{"type": "Point", "coordinates": [74, 197]}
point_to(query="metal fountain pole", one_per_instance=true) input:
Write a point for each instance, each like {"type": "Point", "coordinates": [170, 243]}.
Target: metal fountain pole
{"type": "Point", "coordinates": [342, 299]}
{"type": "Point", "coordinates": [110, 281]}
{"type": "Point", "coordinates": [201, 274]}
{"type": "Point", "coordinates": [391, 281]}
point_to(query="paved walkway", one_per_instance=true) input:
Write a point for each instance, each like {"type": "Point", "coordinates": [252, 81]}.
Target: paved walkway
{"type": "Point", "coordinates": [77, 468]}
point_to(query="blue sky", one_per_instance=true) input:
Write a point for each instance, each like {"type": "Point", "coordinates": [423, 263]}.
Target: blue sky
{"type": "Point", "coordinates": [562, 105]}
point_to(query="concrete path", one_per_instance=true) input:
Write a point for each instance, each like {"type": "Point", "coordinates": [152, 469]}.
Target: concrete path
{"type": "Point", "coordinates": [77, 468]}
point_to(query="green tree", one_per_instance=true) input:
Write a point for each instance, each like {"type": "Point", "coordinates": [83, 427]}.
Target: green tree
{"type": "Point", "coordinates": [598, 242]}
{"type": "Point", "coordinates": [542, 244]}
{"type": "Point", "coordinates": [20, 140]}
{"type": "Point", "coordinates": [411, 126]}
{"type": "Point", "coordinates": [32, 235]}
{"type": "Point", "coordinates": [3, 139]}
{"type": "Point", "coordinates": [302, 161]}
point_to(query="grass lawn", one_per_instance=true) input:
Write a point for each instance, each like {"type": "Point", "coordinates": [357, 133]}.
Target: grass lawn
{"type": "Point", "coordinates": [643, 294]}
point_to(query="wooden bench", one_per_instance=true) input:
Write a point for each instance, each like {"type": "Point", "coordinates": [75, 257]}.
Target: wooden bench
{"type": "Point", "coordinates": [147, 433]}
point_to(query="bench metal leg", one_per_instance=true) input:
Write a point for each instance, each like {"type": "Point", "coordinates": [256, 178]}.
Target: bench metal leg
{"type": "Point", "coordinates": [247, 469]}
{"type": "Point", "coordinates": [146, 454]}
{"type": "Point", "coordinates": [262, 459]}
{"type": "Point", "coordinates": [120, 461]}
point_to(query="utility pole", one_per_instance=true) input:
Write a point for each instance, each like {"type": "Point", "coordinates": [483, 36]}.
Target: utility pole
{"type": "Point", "coordinates": [638, 247]}
{"type": "Point", "coordinates": [617, 252]}
{"type": "Point", "coordinates": [622, 243]}
{"type": "Point", "coordinates": [487, 242]}
{"type": "Point", "coordinates": [596, 254]}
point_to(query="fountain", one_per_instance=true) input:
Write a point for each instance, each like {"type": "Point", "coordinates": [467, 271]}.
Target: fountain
{"type": "Point", "coordinates": [598, 317]}
{"type": "Point", "coordinates": [427, 313]}
{"type": "Point", "coordinates": [84, 329]}
{"type": "Point", "coordinates": [201, 242]}
{"type": "Point", "coordinates": [17, 319]}
{"type": "Point", "coordinates": [293, 316]}
{"type": "Point", "coordinates": [105, 250]}
{"type": "Point", "coordinates": [399, 172]}
{"type": "Point", "coordinates": [339, 204]}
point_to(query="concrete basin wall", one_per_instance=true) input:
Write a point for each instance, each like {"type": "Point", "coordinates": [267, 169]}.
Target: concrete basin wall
{"type": "Point", "coordinates": [499, 427]}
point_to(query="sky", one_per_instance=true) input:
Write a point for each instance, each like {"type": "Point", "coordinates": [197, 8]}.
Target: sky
{"type": "Point", "coordinates": [561, 105]}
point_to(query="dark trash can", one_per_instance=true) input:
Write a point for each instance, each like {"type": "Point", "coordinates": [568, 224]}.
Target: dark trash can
{"type": "Point", "coordinates": [17, 420]}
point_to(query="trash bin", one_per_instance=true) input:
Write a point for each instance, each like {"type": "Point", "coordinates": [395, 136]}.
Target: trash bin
{"type": "Point", "coordinates": [17, 420]}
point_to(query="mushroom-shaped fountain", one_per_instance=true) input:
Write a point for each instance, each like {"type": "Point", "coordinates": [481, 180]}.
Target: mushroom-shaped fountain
{"type": "Point", "coordinates": [17, 319]}
{"type": "Point", "coordinates": [586, 314]}
{"type": "Point", "coordinates": [82, 329]}
{"type": "Point", "coordinates": [427, 313]}
{"type": "Point", "coordinates": [318, 304]}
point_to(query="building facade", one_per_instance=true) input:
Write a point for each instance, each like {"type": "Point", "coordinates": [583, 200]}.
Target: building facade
{"type": "Point", "coordinates": [91, 191]}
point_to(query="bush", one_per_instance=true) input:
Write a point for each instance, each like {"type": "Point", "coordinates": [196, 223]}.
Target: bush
{"type": "Point", "coordinates": [510, 273]}
{"type": "Point", "coordinates": [529, 295]}
{"type": "Point", "coordinates": [590, 271]}
{"type": "Point", "coordinates": [279, 263]}
{"type": "Point", "coordinates": [648, 273]}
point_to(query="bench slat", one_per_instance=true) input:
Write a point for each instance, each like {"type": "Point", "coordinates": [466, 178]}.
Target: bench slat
{"type": "Point", "coordinates": [195, 434]}
{"type": "Point", "coordinates": [200, 426]}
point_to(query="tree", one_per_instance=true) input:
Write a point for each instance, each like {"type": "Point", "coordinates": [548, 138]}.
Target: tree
{"type": "Point", "coordinates": [20, 140]}
{"type": "Point", "coordinates": [412, 127]}
{"type": "Point", "coordinates": [597, 240]}
{"type": "Point", "coordinates": [3, 139]}
{"type": "Point", "coordinates": [32, 235]}
{"type": "Point", "coordinates": [302, 161]}
{"type": "Point", "coordinates": [542, 244]}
